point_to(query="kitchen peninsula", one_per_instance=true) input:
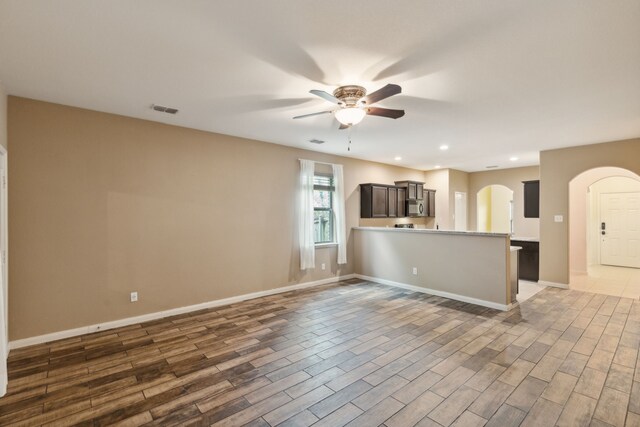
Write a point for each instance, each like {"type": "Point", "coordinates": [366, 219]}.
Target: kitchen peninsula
{"type": "Point", "coordinates": [474, 267]}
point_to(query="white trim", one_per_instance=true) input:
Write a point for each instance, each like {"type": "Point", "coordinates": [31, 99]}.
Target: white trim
{"type": "Point", "coordinates": [484, 303]}
{"type": "Point", "coordinates": [553, 284]}
{"type": "Point", "coordinates": [166, 313]}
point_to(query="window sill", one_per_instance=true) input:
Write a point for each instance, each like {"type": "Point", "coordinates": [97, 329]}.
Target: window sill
{"type": "Point", "coordinates": [325, 245]}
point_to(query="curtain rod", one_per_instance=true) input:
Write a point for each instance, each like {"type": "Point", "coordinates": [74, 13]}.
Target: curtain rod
{"type": "Point", "coordinates": [322, 163]}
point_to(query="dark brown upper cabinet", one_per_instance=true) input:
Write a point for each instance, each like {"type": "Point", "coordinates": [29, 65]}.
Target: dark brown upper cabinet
{"type": "Point", "coordinates": [402, 197]}
{"type": "Point", "coordinates": [415, 189]}
{"type": "Point", "coordinates": [531, 199]}
{"type": "Point", "coordinates": [392, 196]}
{"type": "Point", "coordinates": [374, 201]}
{"type": "Point", "coordinates": [382, 201]}
{"type": "Point", "coordinates": [430, 202]}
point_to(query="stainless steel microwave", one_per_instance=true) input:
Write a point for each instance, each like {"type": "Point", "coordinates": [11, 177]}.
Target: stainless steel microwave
{"type": "Point", "coordinates": [416, 208]}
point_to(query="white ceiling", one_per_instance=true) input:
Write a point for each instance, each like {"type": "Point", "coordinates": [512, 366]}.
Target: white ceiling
{"type": "Point", "coordinates": [491, 79]}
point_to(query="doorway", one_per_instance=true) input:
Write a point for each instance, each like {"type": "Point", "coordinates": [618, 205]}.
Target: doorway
{"type": "Point", "coordinates": [495, 209]}
{"type": "Point", "coordinates": [460, 211]}
{"type": "Point", "coordinates": [620, 229]}
{"type": "Point", "coordinates": [605, 263]}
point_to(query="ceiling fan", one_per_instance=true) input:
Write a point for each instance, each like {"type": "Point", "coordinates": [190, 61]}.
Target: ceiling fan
{"type": "Point", "coordinates": [354, 103]}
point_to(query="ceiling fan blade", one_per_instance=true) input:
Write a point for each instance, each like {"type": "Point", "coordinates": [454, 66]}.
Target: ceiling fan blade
{"type": "Point", "coordinates": [313, 114]}
{"type": "Point", "coordinates": [325, 95]}
{"type": "Point", "coordinates": [385, 112]}
{"type": "Point", "coordinates": [382, 93]}
{"type": "Point", "coordinates": [343, 126]}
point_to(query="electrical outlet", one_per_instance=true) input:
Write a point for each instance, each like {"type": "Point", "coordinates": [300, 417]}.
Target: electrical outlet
{"type": "Point", "coordinates": [415, 271]}
{"type": "Point", "coordinates": [323, 266]}
{"type": "Point", "coordinates": [134, 296]}
{"type": "Point", "coordinates": [558, 218]}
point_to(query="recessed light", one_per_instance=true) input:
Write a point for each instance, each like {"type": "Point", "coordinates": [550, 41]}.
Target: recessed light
{"type": "Point", "coordinates": [397, 158]}
{"type": "Point", "coordinates": [444, 147]}
{"type": "Point", "coordinates": [438, 166]}
{"type": "Point", "coordinates": [513, 159]}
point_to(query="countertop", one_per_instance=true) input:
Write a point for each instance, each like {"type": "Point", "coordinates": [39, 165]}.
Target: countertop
{"type": "Point", "coordinates": [525, 239]}
{"type": "Point", "coordinates": [431, 231]}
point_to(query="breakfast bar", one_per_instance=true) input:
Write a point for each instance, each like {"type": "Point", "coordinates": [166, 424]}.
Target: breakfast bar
{"type": "Point", "coordinates": [474, 267]}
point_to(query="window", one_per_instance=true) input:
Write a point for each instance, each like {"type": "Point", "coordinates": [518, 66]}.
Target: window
{"type": "Point", "coordinates": [323, 189]}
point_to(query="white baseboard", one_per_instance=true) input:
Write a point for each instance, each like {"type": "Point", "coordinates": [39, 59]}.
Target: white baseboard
{"type": "Point", "coordinates": [166, 313]}
{"type": "Point", "coordinates": [553, 284]}
{"type": "Point", "coordinates": [476, 301]}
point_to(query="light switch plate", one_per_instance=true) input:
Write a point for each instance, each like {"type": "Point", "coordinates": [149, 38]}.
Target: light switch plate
{"type": "Point", "coordinates": [558, 218]}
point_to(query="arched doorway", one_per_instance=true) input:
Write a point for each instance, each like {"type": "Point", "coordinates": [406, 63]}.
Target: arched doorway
{"type": "Point", "coordinates": [494, 209]}
{"type": "Point", "coordinates": [603, 260]}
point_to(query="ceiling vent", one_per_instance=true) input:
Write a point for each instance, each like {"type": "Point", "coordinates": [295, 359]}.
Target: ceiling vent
{"type": "Point", "coordinates": [164, 109]}
{"type": "Point", "coordinates": [492, 167]}
{"type": "Point", "coordinates": [316, 141]}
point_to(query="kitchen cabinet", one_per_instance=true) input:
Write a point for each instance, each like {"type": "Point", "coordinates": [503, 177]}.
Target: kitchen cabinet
{"type": "Point", "coordinates": [392, 196]}
{"type": "Point", "coordinates": [430, 202]}
{"type": "Point", "coordinates": [374, 201]}
{"type": "Point", "coordinates": [400, 203]}
{"type": "Point", "coordinates": [415, 189]}
{"type": "Point", "coordinates": [382, 201]}
{"type": "Point", "coordinates": [528, 259]}
{"type": "Point", "coordinates": [531, 199]}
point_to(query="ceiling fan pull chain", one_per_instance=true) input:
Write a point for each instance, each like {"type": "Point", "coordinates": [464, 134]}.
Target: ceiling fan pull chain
{"type": "Point", "coordinates": [349, 136]}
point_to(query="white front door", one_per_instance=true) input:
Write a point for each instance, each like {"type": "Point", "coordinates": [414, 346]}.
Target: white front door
{"type": "Point", "coordinates": [620, 229]}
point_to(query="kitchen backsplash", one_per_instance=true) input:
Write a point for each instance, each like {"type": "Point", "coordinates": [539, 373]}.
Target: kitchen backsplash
{"type": "Point", "coordinates": [390, 222]}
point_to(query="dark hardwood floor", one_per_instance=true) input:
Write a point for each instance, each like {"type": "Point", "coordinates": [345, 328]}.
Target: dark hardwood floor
{"type": "Point", "coordinates": [353, 353]}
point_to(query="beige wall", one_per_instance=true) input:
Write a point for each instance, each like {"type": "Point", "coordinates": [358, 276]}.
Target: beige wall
{"type": "Point", "coordinates": [557, 169]}
{"type": "Point", "coordinates": [462, 264]}
{"type": "Point", "coordinates": [583, 217]}
{"type": "Point", "coordinates": [3, 116]}
{"type": "Point", "coordinates": [511, 178]}
{"type": "Point", "coordinates": [102, 205]}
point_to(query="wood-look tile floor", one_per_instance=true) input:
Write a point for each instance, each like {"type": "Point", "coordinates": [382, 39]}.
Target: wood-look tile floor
{"type": "Point", "coordinates": [352, 354]}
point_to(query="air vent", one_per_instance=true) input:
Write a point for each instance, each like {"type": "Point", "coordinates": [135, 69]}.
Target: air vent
{"type": "Point", "coordinates": [316, 141]}
{"type": "Point", "coordinates": [491, 167]}
{"type": "Point", "coordinates": [164, 109]}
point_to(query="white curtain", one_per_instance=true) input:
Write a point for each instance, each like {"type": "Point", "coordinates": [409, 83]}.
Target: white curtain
{"type": "Point", "coordinates": [4, 351]}
{"type": "Point", "coordinates": [305, 215]}
{"type": "Point", "coordinates": [339, 211]}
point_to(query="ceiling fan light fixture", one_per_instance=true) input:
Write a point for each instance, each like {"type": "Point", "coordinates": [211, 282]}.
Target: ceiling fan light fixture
{"type": "Point", "coordinates": [350, 116]}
